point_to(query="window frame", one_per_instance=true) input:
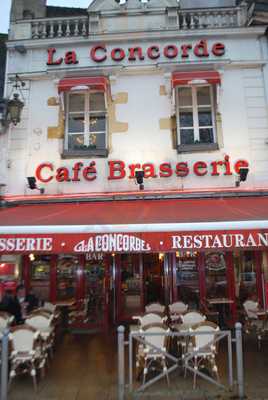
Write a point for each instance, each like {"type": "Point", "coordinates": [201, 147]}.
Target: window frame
{"type": "Point", "coordinates": [70, 153]}
{"type": "Point", "coordinates": [196, 146]}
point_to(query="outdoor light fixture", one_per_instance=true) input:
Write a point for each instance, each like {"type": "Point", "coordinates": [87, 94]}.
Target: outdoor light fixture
{"type": "Point", "coordinates": [11, 107]}
{"type": "Point", "coordinates": [121, 2]}
{"type": "Point", "coordinates": [14, 107]}
{"type": "Point", "coordinates": [139, 175]}
{"type": "Point", "coordinates": [32, 184]}
{"type": "Point", "coordinates": [242, 176]}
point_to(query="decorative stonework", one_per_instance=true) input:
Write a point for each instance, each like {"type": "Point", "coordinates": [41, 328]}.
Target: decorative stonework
{"type": "Point", "coordinates": [114, 125]}
{"type": "Point", "coordinates": [56, 132]}
{"type": "Point", "coordinates": [170, 124]}
{"type": "Point", "coordinates": [219, 129]}
{"type": "Point", "coordinates": [163, 91]}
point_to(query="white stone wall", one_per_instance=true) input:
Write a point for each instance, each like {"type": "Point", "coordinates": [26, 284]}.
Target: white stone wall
{"type": "Point", "coordinates": [242, 102]}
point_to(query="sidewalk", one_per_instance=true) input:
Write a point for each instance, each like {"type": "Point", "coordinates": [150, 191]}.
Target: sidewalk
{"type": "Point", "coordinates": [85, 368]}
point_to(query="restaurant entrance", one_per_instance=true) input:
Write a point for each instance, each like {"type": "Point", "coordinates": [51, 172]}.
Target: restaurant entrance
{"type": "Point", "coordinates": [140, 280]}
{"type": "Point", "coordinates": [110, 288]}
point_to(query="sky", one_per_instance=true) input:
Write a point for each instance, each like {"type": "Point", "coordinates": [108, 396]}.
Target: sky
{"type": "Point", "coordinates": [5, 8]}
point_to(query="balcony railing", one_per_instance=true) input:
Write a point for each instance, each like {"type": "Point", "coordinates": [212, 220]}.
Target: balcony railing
{"type": "Point", "coordinates": [59, 27]}
{"type": "Point", "coordinates": [178, 19]}
{"type": "Point", "coordinates": [203, 19]}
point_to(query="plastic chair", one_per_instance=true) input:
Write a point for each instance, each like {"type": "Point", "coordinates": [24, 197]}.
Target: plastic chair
{"type": "Point", "coordinates": [154, 349]}
{"type": "Point", "coordinates": [155, 307]}
{"type": "Point", "coordinates": [27, 353]}
{"type": "Point", "coordinates": [204, 348]}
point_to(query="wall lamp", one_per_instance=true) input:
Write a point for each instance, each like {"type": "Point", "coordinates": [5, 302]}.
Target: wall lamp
{"type": "Point", "coordinates": [242, 176]}
{"type": "Point", "coordinates": [139, 175]}
{"type": "Point", "coordinates": [121, 2]}
{"type": "Point", "coordinates": [32, 184]}
{"type": "Point", "coordinates": [11, 107]}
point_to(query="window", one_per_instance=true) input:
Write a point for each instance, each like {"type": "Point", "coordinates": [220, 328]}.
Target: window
{"type": "Point", "coordinates": [196, 117]}
{"type": "Point", "coordinates": [86, 123]}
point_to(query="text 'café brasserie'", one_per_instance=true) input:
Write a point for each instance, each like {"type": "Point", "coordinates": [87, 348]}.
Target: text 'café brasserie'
{"type": "Point", "coordinates": [46, 172]}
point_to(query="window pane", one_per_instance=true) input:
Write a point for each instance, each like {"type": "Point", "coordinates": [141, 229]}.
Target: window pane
{"type": "Point", "coordinates": [76, 123]}
{"type": "Point", "coordinates": [96, 102]}
{"type": "Point", "coordinates": [205, 118]}
{"type": "Point", "coordinates": [97, 123]}
{"type": "Point", "coordinates": [186, 119]}
{"type": "Point", "coordinates": [76, 102]}
{"type": "Point", "coordinates": [187, 136]}
{"type": "Point", "coordinates": [185, 96]}
{"type": "Point", "coordinates": [206, 135]}
{"type": "Point", "coordinates": [203, 95]}
{"type": "Point", "coordinates": [76, 142]}
{"type": "Point", "coordinates": [97, 141]}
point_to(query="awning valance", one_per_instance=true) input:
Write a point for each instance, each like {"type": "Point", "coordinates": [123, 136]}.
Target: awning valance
{"type": "Point", "coordinates": [136, 226]}
{"type": "Point", "coordinates": [186, 78]}
{"type": "Point", "coordinates": [85, 82]}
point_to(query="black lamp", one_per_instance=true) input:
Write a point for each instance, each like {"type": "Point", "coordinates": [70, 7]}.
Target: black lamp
{"type": "Point", "coordinates": [242, 176]}
{"type": "Point", "coordinates": [32, 184]}
{"type": "Point", "coordinates": [14, 107]}
{"type": "Point", "coordinates": [139, 175]}
{"type": "Point", "coordinates": [11, 107]}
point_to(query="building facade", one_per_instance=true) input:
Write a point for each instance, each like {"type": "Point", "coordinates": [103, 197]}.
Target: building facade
{"type": "Point", "coordinates": [145, 124]}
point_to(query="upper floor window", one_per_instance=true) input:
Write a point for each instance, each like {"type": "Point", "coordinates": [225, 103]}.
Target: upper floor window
{"type": "Point", "coordinates": [195, 114]}
{"type": "Point", "coordinates": [85, 116]}
{"type": "Point", "coordinates": [86, 121]}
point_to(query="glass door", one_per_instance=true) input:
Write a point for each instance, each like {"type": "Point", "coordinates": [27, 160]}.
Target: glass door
{"type": "Point", "coordinates": [249, 277]}
{"type": "Point", "coordinates": [130, 286]}
{"type": "Point", "coordinates": [40, 276]}
{"type": "Point", "coordinates": [96, 292]}
{"type": "Point", "coordinates": [187, 279]}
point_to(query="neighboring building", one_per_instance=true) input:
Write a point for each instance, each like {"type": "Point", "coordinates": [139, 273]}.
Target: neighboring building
{"type": "Point", "coordinates": [3, 51]}
{"type": "Point", "coordinates": [3, 39]}
{"type": "Point", "coordinates": [178, 92]}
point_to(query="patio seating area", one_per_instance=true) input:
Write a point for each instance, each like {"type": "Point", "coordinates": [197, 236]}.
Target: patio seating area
{"type": "Point", "coordinates": [78, 367]}
{"type": "Point", "coordinates": [85, 367]}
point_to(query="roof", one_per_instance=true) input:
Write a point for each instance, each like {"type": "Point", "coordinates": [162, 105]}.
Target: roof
{"type": "Point", "coordinates": [54, 12]}
{"type": "Point", "coordinates": [105, 5]}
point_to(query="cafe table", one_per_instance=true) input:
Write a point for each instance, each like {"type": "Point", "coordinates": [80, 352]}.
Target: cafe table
{"type": "Point", "coordinates": [220, 304]}
{"type": "Point", "coordinates": [64, 306]}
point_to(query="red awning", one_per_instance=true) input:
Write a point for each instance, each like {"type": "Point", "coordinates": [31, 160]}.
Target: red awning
{"type": "Point", "coordinates": [186, 78]}
{"type": "Point", "coordinates": [93, 82]}
{"type": "Point", "coordinates": [161, 225]}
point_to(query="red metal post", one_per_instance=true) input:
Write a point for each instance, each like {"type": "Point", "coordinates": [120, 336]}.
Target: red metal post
{"type": "Point", "coordinates": [53, 278]}
{"type": "Point", "coordinates": [230, 276]}
{"type": "Point", "coordinates": [26, 272]}
{"type": "Point", "coordinates": [106, 293]}
{"type": "Point", "coordinates": [80, 278]}
{"type": "Point", "coordinates": [139, 259]}
{"type": "Point", "coordinates": [259, 276]}
{"type": "Point", "coordinates": [202, 277]}
{"type": "Point", "coordinates": [174, 277]}
{"type": "Point", "coordinates": [118, 291]}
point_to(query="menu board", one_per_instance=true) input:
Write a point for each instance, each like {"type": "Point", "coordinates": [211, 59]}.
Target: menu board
{"type": "Point", "coordinates": [186, 271]}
